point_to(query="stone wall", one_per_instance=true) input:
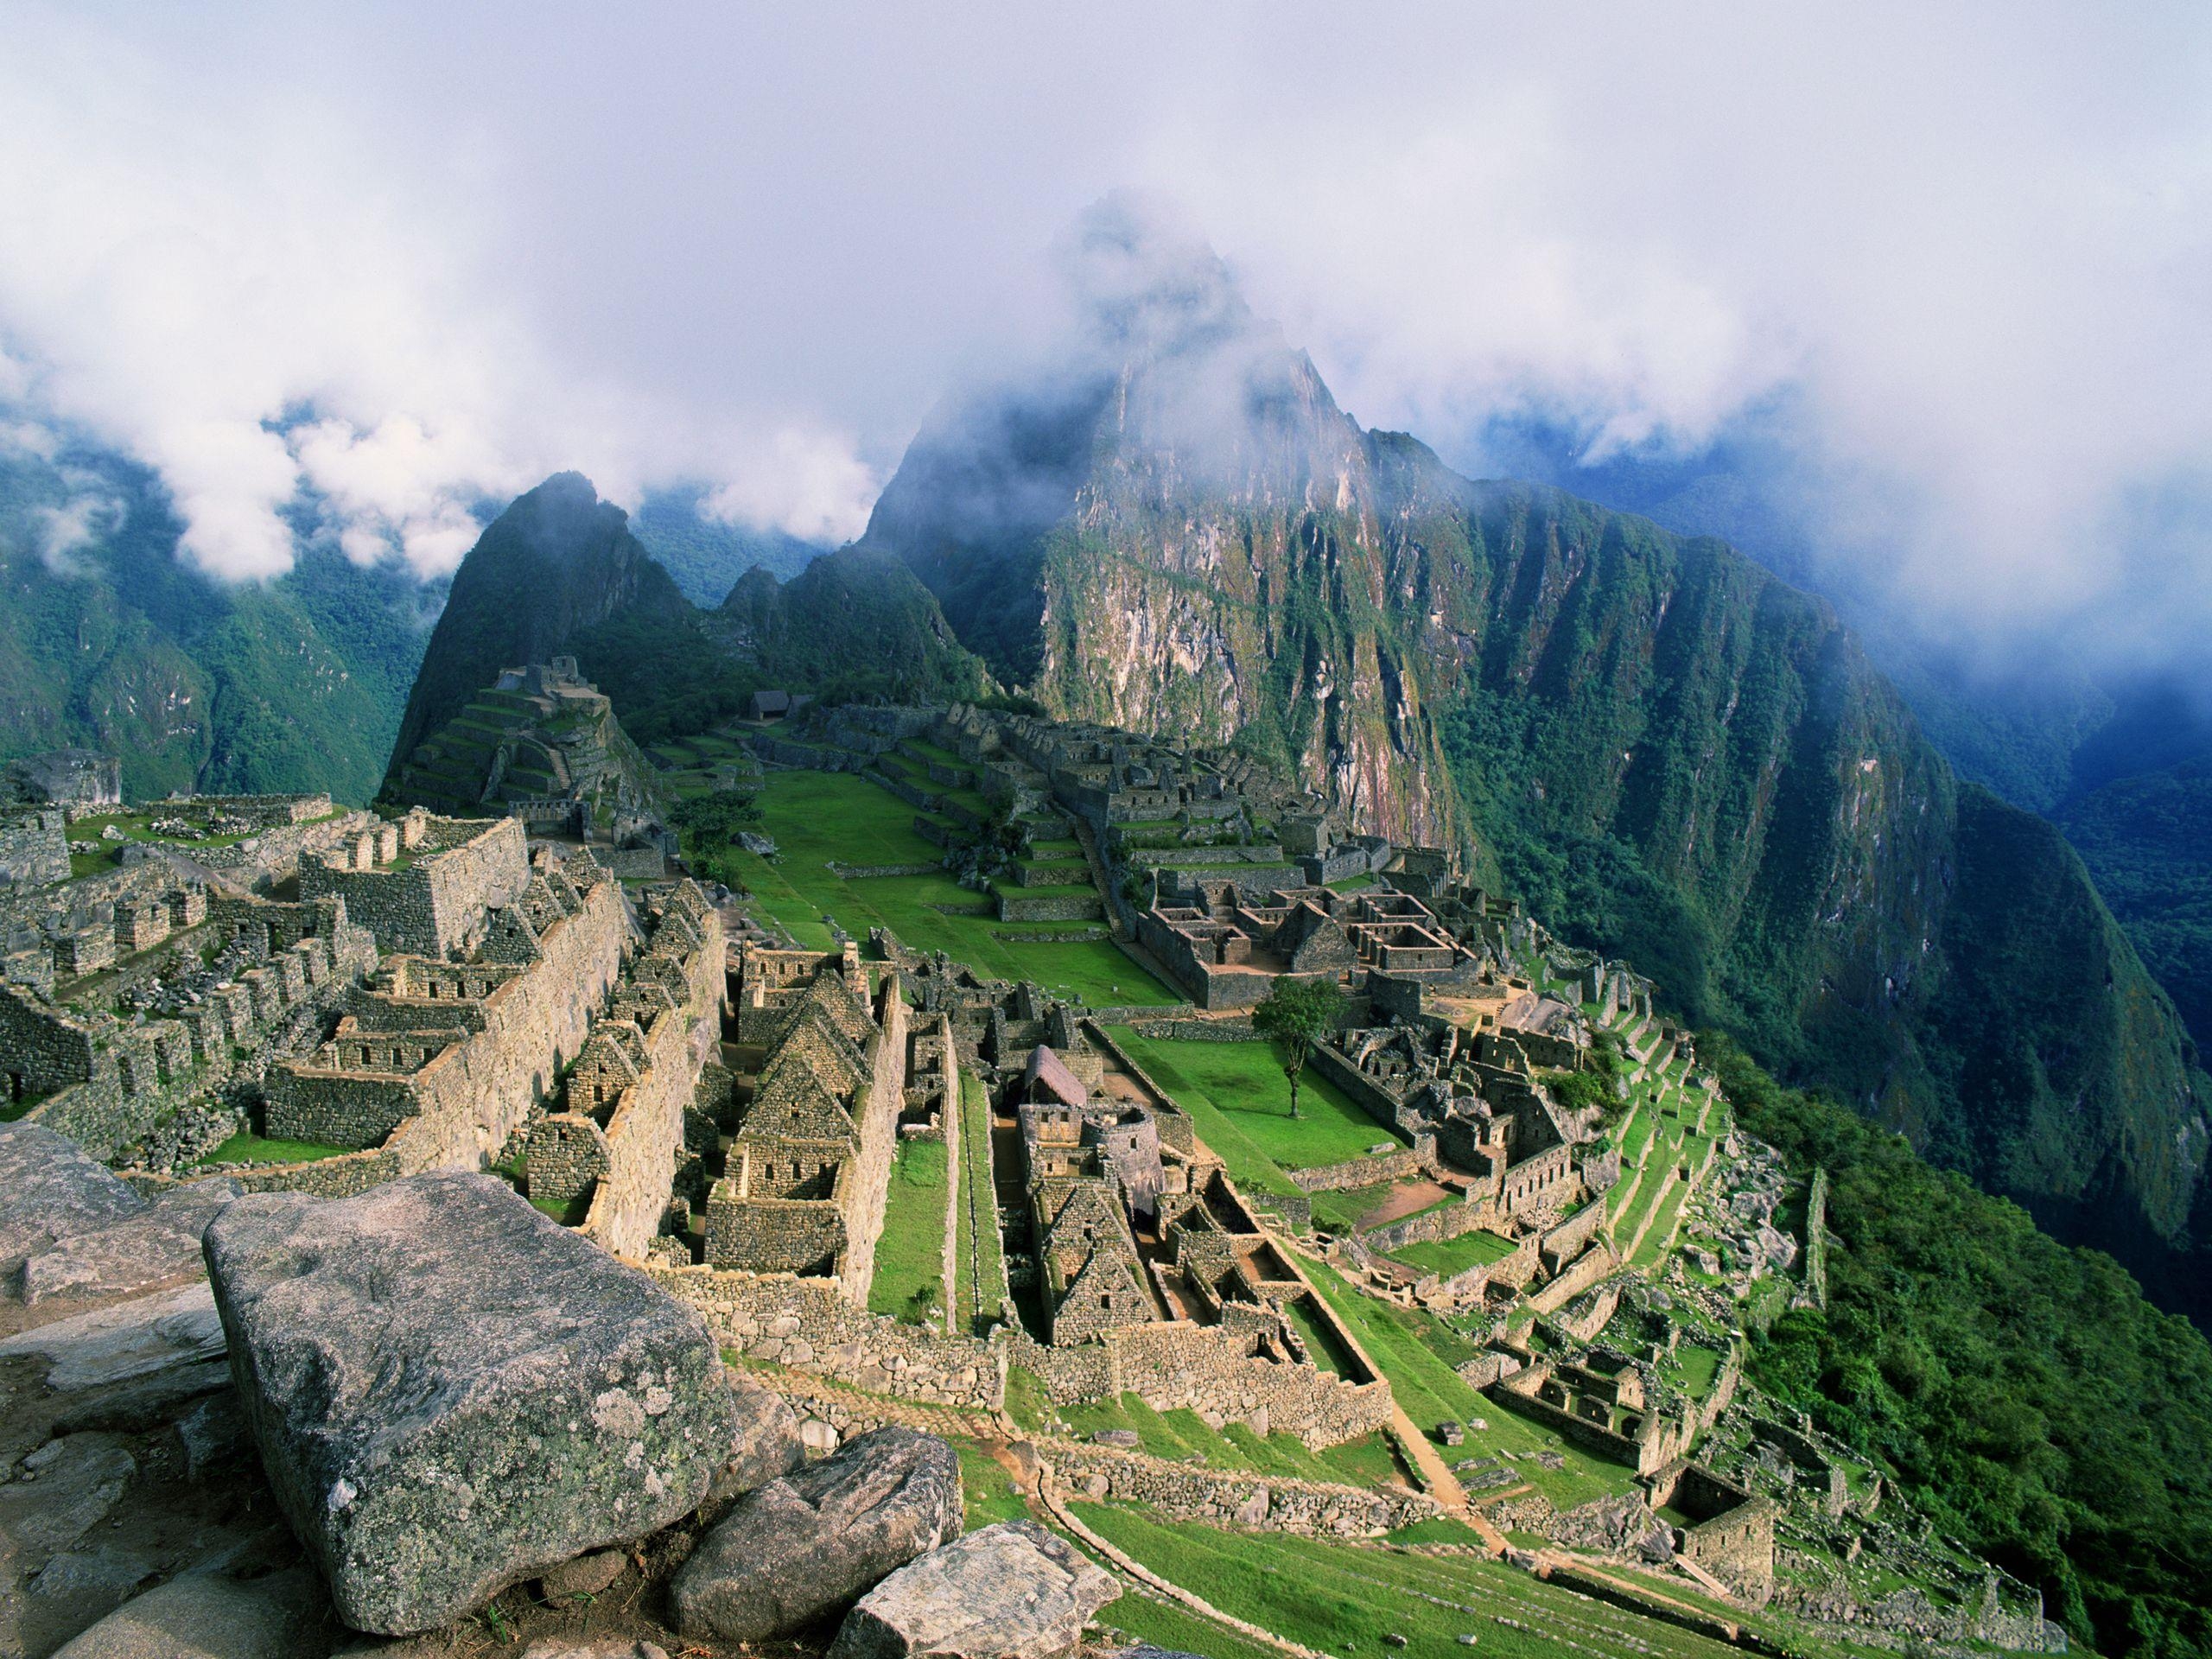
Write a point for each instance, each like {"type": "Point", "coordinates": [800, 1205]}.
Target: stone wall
{"type": "Point", "coordinates": [644, 1134]}
{"type": "Point", "coordinates": [1177, 1491]}
{"type": "Point", "coordinates": [483, 1087]}
{"type": "Point", "coordinates": [1817, 1238]}
{"type": "Point", "coordinates": [1377, 1102]}
{"type": "Point", "coordinates": [807, 1323]}
{"type": "Point", "coordinates": [34, 846]}
{"type": "Point", "coordinates": [1404, 1163]}
{"type": "Point", "coordinates": [432, 907]}
{"type": "Point", "coordinates": [1567, 1240]}
{"type": "Point", "coordinates": [1171, 1366]}
{"type": "Point", "coordinates": [878, 1124]}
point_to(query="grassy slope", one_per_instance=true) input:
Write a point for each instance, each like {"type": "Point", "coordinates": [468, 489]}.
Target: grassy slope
{"type": "Point", "coordinates": [816, 817]}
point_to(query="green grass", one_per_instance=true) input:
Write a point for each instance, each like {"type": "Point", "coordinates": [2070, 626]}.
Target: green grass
{"type": "Point", "coordinates": [987, 1490]}
{"type": "Point", "coordinates": [1145, 1616]}
{"type": "Point", "coordinates": [1236, 1096]}
{"type": "Point", "coordinates": [817, 816]}
{"type": "Point", "coordinates": [1345, 1209]}
{"type": "Point", "coordinates": [569, 1214]}
{"type": "Point", "coordinates": [1417, 1352]}
{"type": "Point", "coordinates": [979, 1273]}
{"type": "Point", "coordinates": [1345, 1599]}
{"type": "Point", "coordinates": [1180, 1436]}
{"type": "Point", "coordinates": [1451, 1256]}
{"type": "Point", "coordinates": [909, 1255]}
{"type": "Point", "coordinates": [246, 1147]}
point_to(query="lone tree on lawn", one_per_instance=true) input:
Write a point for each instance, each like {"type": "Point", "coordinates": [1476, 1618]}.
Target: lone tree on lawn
{"type": "Point", "coordinates": [1298, 1016]}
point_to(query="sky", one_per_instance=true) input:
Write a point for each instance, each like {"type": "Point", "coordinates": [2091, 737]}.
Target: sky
{"type": "Point", "coordinates": [1953, 264]}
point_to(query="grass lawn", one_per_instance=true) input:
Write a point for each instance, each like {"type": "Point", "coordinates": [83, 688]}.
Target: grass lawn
{"type": "Point", "coordinates": [1146, 1617]}
{"type": "Point", "coordinates": [252, 1148]}
{"type": "Point", "coordinates": [1345, 1209]}
{"type": "Point", "coordinates": [1236, 1092]}
{"type": "Point", "coordinates": [1179, 1435]}
{"type": "Point", "coordinates": [1450, 1255]}
{"type": "Point", "coordinates": [979, 1259]}
{"type": "Point", "coordinates": [1345, 1599]}
{"type": "Point", "coordinates": [910, 1255]}
{"type": "Point", "coordinates": [817, 816]}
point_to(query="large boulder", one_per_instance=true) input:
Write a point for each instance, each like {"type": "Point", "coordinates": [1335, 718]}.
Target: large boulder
{"type": "Point", "coordinates": [56, 1188]}
{"type": "Point", "coordinates": [1013, 1590]}
{"type": "Point", "coordinates": [807, 1546]}
{"type": "Point", "coordinates": [451, 1392]}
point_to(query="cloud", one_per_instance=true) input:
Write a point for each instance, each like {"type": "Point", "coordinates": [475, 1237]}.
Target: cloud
{"type": "Point", "coordinates": [408, 264]}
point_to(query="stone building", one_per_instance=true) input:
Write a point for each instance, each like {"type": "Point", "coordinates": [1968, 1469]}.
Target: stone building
{"type": "Point", "coordinates": [805, 1174]}
{"type": "Point", "coordinates": [425, 885]}
{"type": "Point", "coordinates": [471, 1048]}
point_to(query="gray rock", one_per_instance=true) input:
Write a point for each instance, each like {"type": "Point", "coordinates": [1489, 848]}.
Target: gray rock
{"type": "Point", "coordinates": [61, 1491]}
{"type": "Point", "coordinates": [55, 1189]}
{"type": "Point", "coordinates": [1013, 1590]}
{"type": "Point", "coordinates": [135, 1338]}
{"type": "Point", "coordinates": [565, 1647]}
{"type": "Point", "coordinates": [805, 1547]}
{"type": "Point", "coordinates": [452, 1392]}
{"type": "Point", "coordinates": [212, 1434]}
{"type": "Point", "coordinates": [201, 1617]}
{"type": "Point", "coordinates": [161, 1242]}
{"type": "Point", "coordinates": [766, 1443]}
{"type": "Point", "coordinates": [587, 1575]}
{"type": "Point", "coordinates": [1122, 1437]}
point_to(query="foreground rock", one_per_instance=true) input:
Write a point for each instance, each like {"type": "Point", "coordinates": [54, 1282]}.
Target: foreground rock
{"type": "Point", "coordinates": [766, 1444]}
{"type": "Point", "coordinates": [201, 1617]}
{"type": "Point", "coordinates": [55, 1189]}
{"type": "Point", "coordinates": [1010, 1592]}
{"type": "Point", "coordinates": [158, 1243]}
{"type": "Point", "coordinates": [451, 1393]}
{"type": "Point", "coordinates": [807, 1546]}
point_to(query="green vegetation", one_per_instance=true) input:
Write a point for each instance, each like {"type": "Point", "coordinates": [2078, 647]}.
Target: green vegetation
{"type": "Point", "coordinates": [1450, 1255]}
{"type": "Point", "coordinates": [909, 1281]}
{"type": "Point", "coordinates": [710, 824]}
{"type": "Point", "coordinates": [245, 1147]}
{"type": "Point", "coordinates": [291, 684]}
{"type": "Point", "coordinates": [1297, 1016]}
{"type": "Point", "coordinates": [2145, 839]}
{"type": "Point", "coordinates": [818, 817]}
{"type": "Point", "coordinates": [1236, 1095]}
{"type": "Point", "coordinates": [1180, 1436]}
{"type": "Point", "coordinates": [1343, 1598]}
{"type": "Point", "coordinates": [978, 1252]}
{"type": "Point", "coordinates": [2025, 1393]}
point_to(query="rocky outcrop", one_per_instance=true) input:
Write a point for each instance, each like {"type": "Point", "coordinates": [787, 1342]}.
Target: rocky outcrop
{"type": "Point", "coordinates": [55, 1191]}
{"type": "Point", "coordinates": [451, 1392]}
{"type": "Point", "coordinates": [807, 1546]}
{"type": "Point", "coordinates": [1013, 1590]}
{"type": "Point", "coordinates": [158, 1243]}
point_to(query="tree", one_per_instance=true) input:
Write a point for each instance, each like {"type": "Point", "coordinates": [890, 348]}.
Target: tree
{"type": "Point", "coordinates": [1298, 1016]}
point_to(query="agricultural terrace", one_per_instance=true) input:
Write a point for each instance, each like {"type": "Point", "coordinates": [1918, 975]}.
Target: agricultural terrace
{"type": "Point", "coordinates": [817, 818]}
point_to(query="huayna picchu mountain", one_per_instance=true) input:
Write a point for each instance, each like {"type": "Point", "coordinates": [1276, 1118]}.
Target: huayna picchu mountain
{"type": "Point", "coordinates": [1172, 526]}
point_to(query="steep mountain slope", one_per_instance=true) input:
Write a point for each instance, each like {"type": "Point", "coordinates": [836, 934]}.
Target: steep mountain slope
{"type": "Point", "coordinates": [108, 639]}
{"type": "Point", "coordinates": [560, 571]}
{"type": "Point", "coordinates": [557, 562]}
{"type": "Point", "coordinates": [1662, 746]}
{"type": "Point", "coordinates": [705, 555]}
{"type": "Point", "coordinates": [2147, 840]}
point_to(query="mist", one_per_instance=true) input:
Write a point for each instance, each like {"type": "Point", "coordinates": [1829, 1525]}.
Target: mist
{"type": "Point", "coordinates": [1943, 272]}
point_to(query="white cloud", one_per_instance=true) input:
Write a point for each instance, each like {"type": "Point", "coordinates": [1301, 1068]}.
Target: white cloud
{"type": "Point", "coordinates": [807, 484]}
{"type": "Point", "coordinates": [1965, 249]}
